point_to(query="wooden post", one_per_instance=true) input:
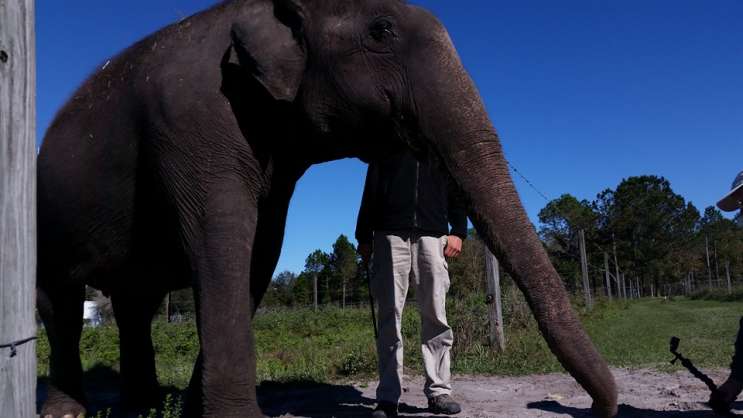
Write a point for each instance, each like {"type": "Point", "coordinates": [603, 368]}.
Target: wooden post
{"type": "Point", "coordinates": [17, 209]}
{"type": "Point", "coordinates": [314, 285]}
{"type": "Point", "coordinates": [606, 271]}
{"type": "Point", "coordinates": [584, 269]}
{"type": "Point", "coordinates": [495, 313]}
{"type": "Point", "coordinates": [727, 271]}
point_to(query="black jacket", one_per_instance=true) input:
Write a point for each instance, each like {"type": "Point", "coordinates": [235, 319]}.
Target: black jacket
{"type": "Point", "coordinates": [404, 193]}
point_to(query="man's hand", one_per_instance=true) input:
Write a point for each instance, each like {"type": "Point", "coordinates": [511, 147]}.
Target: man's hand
{"type": "Point", "coordinates": [365, 250]}
{"type": "Point", "coordinates": [453, 246]}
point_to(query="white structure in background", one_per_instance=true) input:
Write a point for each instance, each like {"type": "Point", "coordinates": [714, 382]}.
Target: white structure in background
{"type": "Point", "coordinates": [91, 316]}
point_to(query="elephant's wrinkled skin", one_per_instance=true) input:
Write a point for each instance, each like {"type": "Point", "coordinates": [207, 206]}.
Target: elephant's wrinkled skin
{"type": "Point", "coordinates": [173, 166]}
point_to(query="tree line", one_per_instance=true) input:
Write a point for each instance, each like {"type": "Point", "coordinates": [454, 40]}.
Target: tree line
{"type": "Point", "coordinates": [649, 233]}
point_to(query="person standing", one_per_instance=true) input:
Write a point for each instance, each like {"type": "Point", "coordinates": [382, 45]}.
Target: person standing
{"type": "Point", "coordinates": [725, 395]}
{"type": "Point", "coordinates": [408, 203]}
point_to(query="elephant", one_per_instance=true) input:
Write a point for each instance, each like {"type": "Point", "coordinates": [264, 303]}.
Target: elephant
{"type": "Point", "coordinates": [173, 166]}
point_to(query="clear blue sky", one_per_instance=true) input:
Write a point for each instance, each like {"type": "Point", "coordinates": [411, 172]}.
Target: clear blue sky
{"type": "Point", "coordinates": [583, 93]}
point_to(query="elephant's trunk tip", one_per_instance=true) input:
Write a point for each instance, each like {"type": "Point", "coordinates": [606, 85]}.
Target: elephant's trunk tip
{"type": "Point", "coordinates": [610, 410]}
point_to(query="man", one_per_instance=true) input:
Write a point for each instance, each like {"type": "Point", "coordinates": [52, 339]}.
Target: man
{"type": "Point", "coordinates": [722, 399]}
{"type": "Point", "coordinates": [409, 201]}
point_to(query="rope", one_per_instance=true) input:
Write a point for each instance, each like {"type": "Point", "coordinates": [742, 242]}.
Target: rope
{"type": "Point", "coordinates": [15, 344]}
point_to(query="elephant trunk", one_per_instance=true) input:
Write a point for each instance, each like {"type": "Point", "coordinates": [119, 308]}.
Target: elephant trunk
{"type": "Point", "coordinates": [454, 120]}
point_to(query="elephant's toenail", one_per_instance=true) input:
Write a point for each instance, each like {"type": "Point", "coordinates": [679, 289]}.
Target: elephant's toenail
{"type": "Point", "coordinates": [68, 416]}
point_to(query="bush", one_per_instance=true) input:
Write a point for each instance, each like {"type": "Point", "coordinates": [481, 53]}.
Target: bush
{"type": "Point", "coordinates": [718, 294]}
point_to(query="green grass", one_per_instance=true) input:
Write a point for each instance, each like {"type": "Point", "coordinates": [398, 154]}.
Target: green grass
{"type": "Point", "coordinates": [336, 344]}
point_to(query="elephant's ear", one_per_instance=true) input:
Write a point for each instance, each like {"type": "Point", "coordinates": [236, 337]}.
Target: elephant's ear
{"type": "Point", "coordinates": [269, 45]}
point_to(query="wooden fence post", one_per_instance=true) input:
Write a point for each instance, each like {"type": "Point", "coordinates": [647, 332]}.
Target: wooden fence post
{"type": "Point", "coordinates": [17, 209]}
{"type": "Point", "coordinates": [495, 313]}
{"type": "Point", "coordinates": [584, 269]}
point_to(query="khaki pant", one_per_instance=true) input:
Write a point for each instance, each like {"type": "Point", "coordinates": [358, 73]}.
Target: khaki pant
{"type": "Point", "coordinates": [397, 257]}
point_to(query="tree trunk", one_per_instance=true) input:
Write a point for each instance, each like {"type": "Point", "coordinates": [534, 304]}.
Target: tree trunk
{"type": "Point", "coordinates": [620, 291]}
{"type": "Point", "coordinates": [717, 267]}
{"type": "Point", "coordinates": [584, 269]}
{"type": "Point", "coordinates": [709, 266]}
{"type": "Point", "coordinates": [314, 290]}
{"type": "Point", "coordinates": [17, 209]}
{"type": "Point", "coordinates": [167, 307]}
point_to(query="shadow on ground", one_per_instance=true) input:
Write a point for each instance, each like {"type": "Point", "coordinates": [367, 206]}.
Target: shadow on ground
{"type": "Point", "coordinates": [625, 411]}
{"type": "Point", "coordinates": [103, 392]}
{"type": "Point", "coordinates": [298, 398]}
{"type": "Point", "coordinates": [322, 400]}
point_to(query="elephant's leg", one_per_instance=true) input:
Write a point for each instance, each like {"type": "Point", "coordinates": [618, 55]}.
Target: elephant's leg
{"type": "Point", "coordinates": [224, 377]}
{"type": "Point", "coordinates": [61, 309]}
{"type": "Point", "coordinates": [134, 312]}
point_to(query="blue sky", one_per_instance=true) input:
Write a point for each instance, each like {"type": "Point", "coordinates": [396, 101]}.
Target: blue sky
{"type": "Point", "coordinates": [583, 93]}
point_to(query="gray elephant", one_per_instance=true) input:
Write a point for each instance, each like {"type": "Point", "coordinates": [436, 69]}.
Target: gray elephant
{"type": "Point", "coordinates": [173, 166]}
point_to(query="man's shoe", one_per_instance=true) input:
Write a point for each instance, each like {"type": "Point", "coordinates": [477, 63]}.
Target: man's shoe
{"type": "Point", "coordinates": [443, 404]}
{"type": "Point", "coordinates": [385, 410]}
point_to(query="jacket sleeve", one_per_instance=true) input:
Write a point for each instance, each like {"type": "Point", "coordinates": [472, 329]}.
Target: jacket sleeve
{"type": "Point", "coordinates": [365, 221]}
{"type": "Point", "coordinates": [457, 210]}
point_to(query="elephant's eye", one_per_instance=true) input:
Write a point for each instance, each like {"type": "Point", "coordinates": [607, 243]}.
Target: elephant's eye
{"type": "Point", "coordinates": [381, 30]}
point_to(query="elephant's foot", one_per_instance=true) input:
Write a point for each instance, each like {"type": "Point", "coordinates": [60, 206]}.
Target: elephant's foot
{"type": "Point", "coordinates": [222, 413]}
{"type": "Point", "coordinates": [60, 405]}
{"type": "Point", "coordinates": [604, 411]}
{"type": "Point", "coordinates": [194, 408]}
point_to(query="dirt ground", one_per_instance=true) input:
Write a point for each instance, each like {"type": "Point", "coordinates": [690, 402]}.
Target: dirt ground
{"type": "Point", "coordinates": [642, 393]}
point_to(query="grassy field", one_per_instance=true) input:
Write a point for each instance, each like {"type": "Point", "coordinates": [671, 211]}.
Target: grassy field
{"type": "Point", "coordinates": [336, 344]}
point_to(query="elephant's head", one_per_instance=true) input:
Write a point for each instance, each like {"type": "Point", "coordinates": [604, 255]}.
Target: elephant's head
{"type": "Point", "coordinates": [366, 72]}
